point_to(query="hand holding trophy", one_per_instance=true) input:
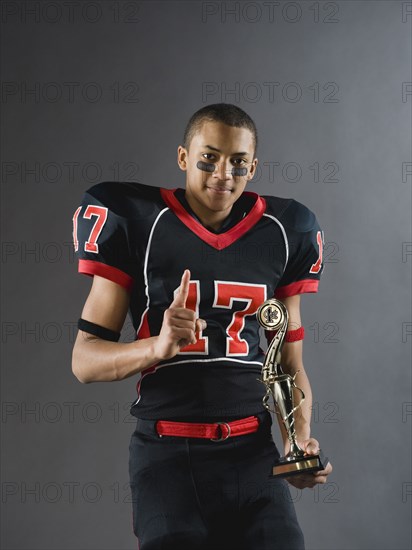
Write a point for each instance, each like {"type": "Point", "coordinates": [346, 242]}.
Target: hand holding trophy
{"type": "Point", "coordinates": [273, 315]}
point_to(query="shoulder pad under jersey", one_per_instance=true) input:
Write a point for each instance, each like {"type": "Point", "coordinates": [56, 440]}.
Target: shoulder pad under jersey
{"type": "Point", "coordinates": [127, 199]}
{"type": "Point", "coordinates": [291, 213]}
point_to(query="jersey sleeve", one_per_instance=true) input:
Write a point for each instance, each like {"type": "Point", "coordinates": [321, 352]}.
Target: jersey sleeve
{"type": "Point", "coordinates": [101, 241]}
{"type": "Point", "coordinates": [305, 252]}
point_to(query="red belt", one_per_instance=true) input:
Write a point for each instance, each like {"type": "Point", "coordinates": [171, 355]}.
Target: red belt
{"type": "Point", "coordinates": [219, 431]}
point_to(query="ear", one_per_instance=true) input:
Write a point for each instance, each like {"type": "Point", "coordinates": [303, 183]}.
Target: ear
{"type": "Point", "coordinates": [252, 170]}
{"type": "Point", "coordinates": [182, 158]}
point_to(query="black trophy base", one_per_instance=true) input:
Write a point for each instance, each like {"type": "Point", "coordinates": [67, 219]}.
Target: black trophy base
{"type": "Point", "coordinates": [299, 465]}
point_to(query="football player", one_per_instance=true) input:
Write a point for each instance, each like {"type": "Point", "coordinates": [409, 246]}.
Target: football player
{"type": "Point", "coordinates": [192, 266]}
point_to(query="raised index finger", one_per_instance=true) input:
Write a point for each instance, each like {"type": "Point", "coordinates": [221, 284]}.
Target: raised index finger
{"type": "Point", "coordinates": [183, 290]}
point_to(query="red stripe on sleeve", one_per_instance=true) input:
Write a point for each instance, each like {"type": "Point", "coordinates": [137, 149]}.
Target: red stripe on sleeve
{"type": "Point", "coordinates": [91, 267]}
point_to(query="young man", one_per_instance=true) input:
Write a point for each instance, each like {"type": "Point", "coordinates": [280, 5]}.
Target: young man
{"type": "Point", "coordinates": [193, 266]}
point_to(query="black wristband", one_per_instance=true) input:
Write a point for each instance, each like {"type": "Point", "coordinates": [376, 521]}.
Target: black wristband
{"type": "Point", "coordinates": [97, 330]}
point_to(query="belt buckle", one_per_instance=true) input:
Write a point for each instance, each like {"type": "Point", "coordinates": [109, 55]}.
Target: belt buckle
{"type": "Point", "coordinates": [226, 436]}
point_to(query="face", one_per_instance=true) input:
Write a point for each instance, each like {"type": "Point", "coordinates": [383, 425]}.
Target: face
{"type": "Point", "coordinates": [211, 194]}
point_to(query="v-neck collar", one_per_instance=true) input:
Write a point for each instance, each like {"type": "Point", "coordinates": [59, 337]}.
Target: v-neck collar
{"type": "Point", "coordinates": [216, 240]}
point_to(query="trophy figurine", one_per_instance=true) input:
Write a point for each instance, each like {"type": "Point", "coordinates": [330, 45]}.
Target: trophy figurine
{"type": "Point", "coordinates": [273, 315]}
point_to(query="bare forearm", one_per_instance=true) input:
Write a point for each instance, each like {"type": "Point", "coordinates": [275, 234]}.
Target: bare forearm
{"type": "Point", "coordinates": [97, 360]}
{"type": "Point", "coordinates": [303, 414]}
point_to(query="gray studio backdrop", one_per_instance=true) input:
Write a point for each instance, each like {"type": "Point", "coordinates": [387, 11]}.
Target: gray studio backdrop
{"type": "Point", "coordinates": [96, 91]}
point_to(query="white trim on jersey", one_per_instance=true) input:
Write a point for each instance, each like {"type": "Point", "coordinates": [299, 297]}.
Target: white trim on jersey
{"type": "Point", "coordinates": [211, 360]}
{"type": "Point", "coordinates": [146, 259]}
{"type": "Point", "coordinates": [284, 237]}
{"type": "Point", "coordinates": [157, 367]}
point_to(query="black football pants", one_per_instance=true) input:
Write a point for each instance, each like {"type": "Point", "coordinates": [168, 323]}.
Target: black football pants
{"type": "Point", "coordinates": [193, 494]}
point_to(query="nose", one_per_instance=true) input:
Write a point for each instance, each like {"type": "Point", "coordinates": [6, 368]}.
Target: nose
{"type": "Point", "coordinates": [223, 170]}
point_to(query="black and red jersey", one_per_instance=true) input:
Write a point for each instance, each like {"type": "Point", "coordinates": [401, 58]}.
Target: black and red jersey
{"type": "Point", "coordinates": [144, 237]}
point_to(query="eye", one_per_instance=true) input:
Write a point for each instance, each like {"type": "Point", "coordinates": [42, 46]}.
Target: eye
{"type": "Point", "coordinates": [239, 161]}
{"type": "Point", "coordinates": [208, 156]}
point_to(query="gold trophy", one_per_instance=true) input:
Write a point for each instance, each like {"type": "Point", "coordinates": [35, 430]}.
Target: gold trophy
{"type": "Point", "coordinates": [273, 315]}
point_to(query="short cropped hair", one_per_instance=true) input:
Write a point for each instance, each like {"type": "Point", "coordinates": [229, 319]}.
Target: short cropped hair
{"type": "Point", "coordinates": [219, 112]}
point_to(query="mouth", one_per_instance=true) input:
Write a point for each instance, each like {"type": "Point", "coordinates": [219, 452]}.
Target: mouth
{"type": "Point", "coordinates": [219, 189]}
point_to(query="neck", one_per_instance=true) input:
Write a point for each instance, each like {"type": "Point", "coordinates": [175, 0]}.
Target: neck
{"type": "Point", "coordinates": [210, 219]}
